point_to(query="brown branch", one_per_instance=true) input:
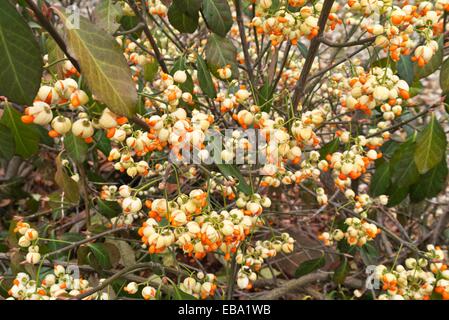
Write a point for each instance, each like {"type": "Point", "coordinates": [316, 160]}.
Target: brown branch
{"type": "Point", "coordinates": [148, 34]}
{"type": "Point", "coordinates": [342, 60]}
{"type": "Point", "coordinates": [348, 44]}
{"type": "Point", "coordinates": [293, 285]}
{"type": "Point", "coordinates": [121, 273]}
{"type": "Point", "coordinates": [81, 242]}
{"type": "Point", "coordinates": [400, 124]}
{"type": "Point", "coordinates": [52, 31]}
{"type": "Point", "coordinates": [249, 69]}
{"type": "Point", "coordinates": [313, 51]}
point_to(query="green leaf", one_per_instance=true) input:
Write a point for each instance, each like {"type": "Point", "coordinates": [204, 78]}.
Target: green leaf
{"type": "Point", "coordinates": [330, 148]}
{"type": "Point", "coordinates": [431, 183]}
{"type": "Point", "coordinates": [405, 69]}
{"type": "Point", "coordinates": [178, 294]}
{"type": "Point", "coordinates": [265, 94]}
{"type": "Point", "coordinates": [434, 63]}
{"type": "Point", "coordinates": [182, 21]}
{"type": "Point", "coordinates": [205, 79]}
{"type": "Point", "coordinates": [21, 62]}
{"type": "Point", "coordinates": [303, 49]}
{"type": "Point", "coordinates": [76, 148]}
{"type": "Point", "coordinates": [444, 77]}
{"type": "Point", "coordinates": [129, 23]}
{"type": "Point", "coordinates": [7, 145]}
{"type": "Point", "coordinates": [403, 169]}
{"type": "Point", "coordinates": [127, 253]}
{"type": "Point", "coordinates": [416, 88]}
{"type": "Point", "coordinates": [150, 70]}
{"type": "Point", "coordinates": [380, 181]}
{"type": "Point", "coordinates": [369, 254]}
{"type": "Point", "coordinates": [430, 146]}
{"type": "Point", "coordinates": [55, 58]}
{"type": "Point", "coordinates": [26, 137]}
{"type": "Point", "coordinates": [389, 148]}
{"type": "Point", "coordinates": [109, 209]}
{"type": "Point", "coordinates": [67, 184]}
{"type": "Point", "coordinates": [108, 15]}
{"type": "Point", "coordinates": [217, 14]}
{"type": "Point", "coordinates": [309, 266]}
{"type": "Point", "coordinates": [113, 253]}
{"type": "Point", "coordinates": [342, 271]}
{"type": "Point", "coordinates": [220, 52]}
{"type": "Point", "coordinates": [100, 254]}
{"type": "Point", "coordinates": [190, 7]}
{"type": "Point", "coordinates": [396, 195]}
{"type": "Point", "coordinates": [103, 66]}
{"type": "Point", "coordinates": [229, 170]}
{"type": "Point", "coordinates": [67, 237]}
{"type": "Point", "coordinates": [102, 142]}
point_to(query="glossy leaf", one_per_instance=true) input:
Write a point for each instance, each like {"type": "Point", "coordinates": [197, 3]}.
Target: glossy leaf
{"type": "Point", "coordinates": [108, 15]}
{"type": "Point", "coordinates": [56, 58]}
{"type": "Point", "coordinates": [21, 63]}
{"type": "Point", "coordinates": [229, 170]}
{"type": "Point", "coordinates": [26, 137]}
{"type": "Point", "coordinates": [150, 70]}
{"type": "Point", "coordinates": [103, 66]}
{"type": "Point", "coordinates": [76, 148]}
{"type": "Point", "coordinates": [102, 142]}
{"type": "Point", "coordinates": [396, 195]}
{"type": "Point", "coordinates": [205, 79]}
{"type": "Point", "coordinates": [310, 266]}
{"type": "Point", "coordinates": [190, 7]}
{"type": "Point", "coordinates": [403, 169]}
{"type": "Point", "coordinates": [127, 253]}
{"type": "Point", "coordinates": [67, 184]}
{"type": "Point", "coordinates": [217, 14]}
{"type": "Point", "coordinates": [406, 69]}
{"type": "Point", "coordinates": [431, 146]}
{"type": "Point", "coordinates": [109, 209]}
{"type": "Point", "coordinates": [431, 183]}
{"type": "Point", "coordinates": [369, 254]}
{"type": "Point", "coordinates": [182, 21]}
{"type": "Point", "coordinates": [220, 52]}
{"type": "Point", "coordinates": [100, 254]}
{"type": "Point", "coordinates": [342, 271]}
{"type": "Point", "coordinates": [7, 145]}
{"type": "Point", "coordinates": [380, 182]}
{"type": "Point", "coordinates": [330, 148]}
{"type": "Point", "coordinates": [444, 77]}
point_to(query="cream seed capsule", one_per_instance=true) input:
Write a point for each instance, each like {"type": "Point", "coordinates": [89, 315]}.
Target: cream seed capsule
{"type": "Point", "coordinates": [83, 128]}
{"type": "Point", "coordinates": [61, 125]}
